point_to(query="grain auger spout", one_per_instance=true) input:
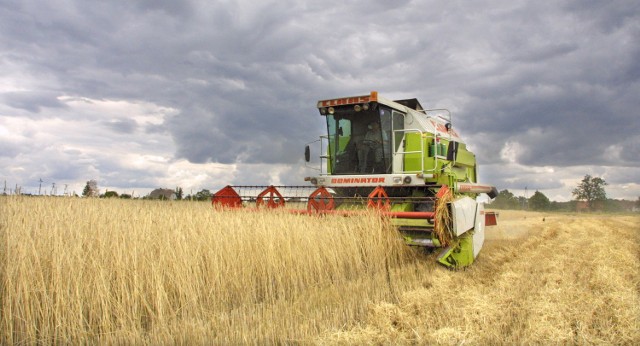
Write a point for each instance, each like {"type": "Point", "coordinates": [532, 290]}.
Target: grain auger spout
{"type": "Point", "coordinates": [398, 158]}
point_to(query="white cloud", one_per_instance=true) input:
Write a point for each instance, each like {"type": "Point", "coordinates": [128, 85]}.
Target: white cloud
{"type": "Point", "coordinates": [164, 94]}
{"type": "Point", "coordinates": [511, 151]}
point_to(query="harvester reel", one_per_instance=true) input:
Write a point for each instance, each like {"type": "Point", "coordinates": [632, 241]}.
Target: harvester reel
{"type": "Point", "coordinates": [379, 199]}
{"type": "Point", "coordinates": [320, 200]}
{"type": "Point", "coordinates": [270, 197]}
{"type": "Point", "coordinates": [227, 197]}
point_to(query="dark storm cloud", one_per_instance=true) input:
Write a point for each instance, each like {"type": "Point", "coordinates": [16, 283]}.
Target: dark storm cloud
{"type": "Point", "coordinates": [125, 126]}
{"type": "Point", "coordinates": [155, 128]}
{"type": "Point", "coordinates": [31, 101]}
{"type": "Point", "coordinates": [562, 94]}
{"type": "Point", "coordinates": [558, 82]}
{"type": "Point", "coordinates": [155, 52]}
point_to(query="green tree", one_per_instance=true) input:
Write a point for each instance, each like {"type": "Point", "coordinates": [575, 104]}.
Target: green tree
{"type": "Point", "coordinates": [539, 201]}
{"type": "Point", "coordinates": [505, 200]}
{"type": "Point", "coordinates": [203, 195]}
{"type": "Point", "coordinates": [110, 194]}
{"type": "Point", "coordinates": [590, 190]}
{"type": "Point", "coordinates": [125, 196]}
{"type": "Point", "coordinates": [555, 206]}
{"type": "Point", "coordinates": [179, 193]}
{"type": "Point", "coordinates": [90, 189]}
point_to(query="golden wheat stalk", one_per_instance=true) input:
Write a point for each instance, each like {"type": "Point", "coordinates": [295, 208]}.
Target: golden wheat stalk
{"type": "Point", "coordinates": [443, 221]}
{"type": "Point", "coordinates": [89, 271]}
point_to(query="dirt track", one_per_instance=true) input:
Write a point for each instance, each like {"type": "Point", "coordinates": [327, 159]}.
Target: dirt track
{"type": "Point", "coordinates": [540, 279]}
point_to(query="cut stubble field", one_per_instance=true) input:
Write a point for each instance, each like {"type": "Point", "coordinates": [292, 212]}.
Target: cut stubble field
{"type": "Point", "coordinates": [148, 272]}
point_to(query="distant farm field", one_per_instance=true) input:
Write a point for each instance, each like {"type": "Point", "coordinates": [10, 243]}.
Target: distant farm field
{"type": "Point", "coordinates": [148, 272]}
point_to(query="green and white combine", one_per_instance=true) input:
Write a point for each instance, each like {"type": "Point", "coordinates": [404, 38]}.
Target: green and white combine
{"type": "Point", "coordinates": [406, 161]}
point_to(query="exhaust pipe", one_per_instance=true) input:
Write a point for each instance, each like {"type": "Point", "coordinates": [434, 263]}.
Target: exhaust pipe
{"type": "Point", "coordinates": [491, 191]}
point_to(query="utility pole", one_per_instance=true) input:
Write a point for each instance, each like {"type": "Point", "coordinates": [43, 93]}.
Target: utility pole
{"type": "Point", "coordinates": [40, 187]}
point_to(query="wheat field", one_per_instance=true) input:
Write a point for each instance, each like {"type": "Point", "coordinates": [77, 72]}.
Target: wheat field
{"type": "Point", "coordinates": [100, 271]}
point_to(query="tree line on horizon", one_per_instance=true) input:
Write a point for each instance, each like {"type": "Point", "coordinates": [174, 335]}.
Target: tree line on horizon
{"type": "Point", "coordinates": [91, 190]}
{"type": "Point", "coordinates": [589, 195]}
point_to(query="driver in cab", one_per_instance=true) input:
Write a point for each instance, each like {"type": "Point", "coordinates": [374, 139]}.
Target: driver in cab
{"type": "Point", "coordinates": [371, 145]}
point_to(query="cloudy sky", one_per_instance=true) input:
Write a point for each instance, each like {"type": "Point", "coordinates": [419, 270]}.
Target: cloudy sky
{"type": "Point", "coordinates": [200, 94]}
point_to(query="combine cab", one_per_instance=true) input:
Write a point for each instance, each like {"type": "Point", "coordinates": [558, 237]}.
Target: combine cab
{"type": "Point", "coordinates": [394, 156]}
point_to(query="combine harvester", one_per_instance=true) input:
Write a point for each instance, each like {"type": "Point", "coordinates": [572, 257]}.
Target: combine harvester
{"type": "Point", "coordinates": [394, 156]}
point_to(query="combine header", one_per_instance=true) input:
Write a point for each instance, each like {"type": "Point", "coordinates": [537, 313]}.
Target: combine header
{"type": "Point", "coordinates": [394, 156]}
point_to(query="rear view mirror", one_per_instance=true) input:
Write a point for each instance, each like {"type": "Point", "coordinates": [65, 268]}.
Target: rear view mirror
{"type": "Point", "coordinates": [307, 153]}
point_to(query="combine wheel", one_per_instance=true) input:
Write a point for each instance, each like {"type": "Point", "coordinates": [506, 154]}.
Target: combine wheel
{"type": "Point", "coordinates": [379, 199]}
{"type": "Point", "coordinates": [320, 200]}
{"type": "Point", "coordinates": [270, 197]}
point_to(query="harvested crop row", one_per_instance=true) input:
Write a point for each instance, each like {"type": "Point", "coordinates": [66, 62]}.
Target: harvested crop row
{"type": "Point", "coordinates": [575, 281]}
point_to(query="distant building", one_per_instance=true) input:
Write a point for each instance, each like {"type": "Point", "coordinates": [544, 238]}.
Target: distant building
{"type": "Point", "coordinates": [163, 194]}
